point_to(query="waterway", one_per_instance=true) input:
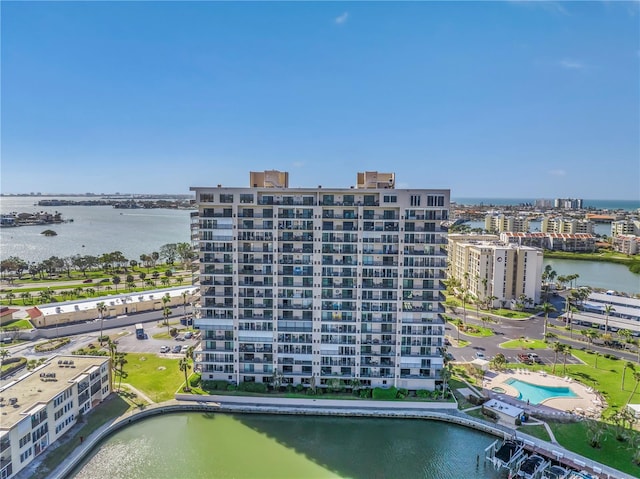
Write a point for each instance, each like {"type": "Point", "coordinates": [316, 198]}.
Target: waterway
{"type": "Point", "coordinates": [598, 274]}
{"type": "Point", "coordinates": [102, 229]}
{"type": "Point", "coordinates": [95, 230]}
{"type": "Point", "coordinates": [201, 445]}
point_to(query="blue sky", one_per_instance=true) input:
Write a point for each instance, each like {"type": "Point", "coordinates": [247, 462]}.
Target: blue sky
{"type": "Point", "coordinates": [510, 99]}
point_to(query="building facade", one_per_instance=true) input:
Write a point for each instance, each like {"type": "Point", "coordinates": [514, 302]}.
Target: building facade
{"type": "Point", "coordinates": [625, 227]}
{"type": "Point", "coordinates": [566, 225]}
{"type": "Point", "coordinates": [317, 284]}
{"type": "Point", "coordinates": [627, 244]}
{"type": "Point", "coordinates": [41, 406]}
{"type": "Point", "coordinates": [500, 223]}
{"type": "Point", "coordinates": [496, 269]}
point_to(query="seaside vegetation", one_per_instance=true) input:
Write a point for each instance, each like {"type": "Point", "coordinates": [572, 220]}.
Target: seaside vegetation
{"type": "Point", "coordinates": [78, 277]}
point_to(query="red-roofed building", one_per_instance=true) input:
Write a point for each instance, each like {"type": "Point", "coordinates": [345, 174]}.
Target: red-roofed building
{"type": "Point", "coordinates": [36, 317]}
{"type": "Point", "coordinates": [6, 314]}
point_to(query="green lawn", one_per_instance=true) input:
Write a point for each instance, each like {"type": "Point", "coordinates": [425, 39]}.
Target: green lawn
{"type": "Point", "coordinates": [509, 313]}
{"type": "Point", "coordinates": [159, 378]}
{"type": "Point", "coordinates": [607, 379]}
{"type": "Point", "coordinates": [477, 331]}
{"type": "Point", "coordinates": [536, 430]}
{"type": "Point", "coordinates": [616, 454]}
{"type": "Point", "coordinates": [524, 344]}
{"type": "Point", "coordinates": [17, 324]}
{"type": "Point", "coordinates": [112, 408]}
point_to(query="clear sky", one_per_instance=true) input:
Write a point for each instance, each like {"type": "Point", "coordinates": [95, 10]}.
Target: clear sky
{"type": "Point", "coordinates": [509, 99]}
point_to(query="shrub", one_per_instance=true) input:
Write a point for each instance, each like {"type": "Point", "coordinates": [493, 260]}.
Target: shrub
{"type": "Point", "coordinates": [310, 392]}
{"type": "Point", "coordinates": [195, 380]}
{"type": "Point", "coordinates": [518, 422]}
{"type": "Point", "coordinates": [103, 339]}
{"type": "Point", "coordinates": [252, 387]}
{"type": "Point", "coordinates": [299, 388]}
{"type": "Point", "coordinates": [231, 387]}
{"type": "Point", "coordinates": [422, 393]}
{"type": "Point", "coordinates": [173, 332]}
{"type": "Point", "coordinates": [365, 393]}
{"type": "Point", "coordinates": [404, 392]}
{"type": "Point", "coordinates": [385, 394]}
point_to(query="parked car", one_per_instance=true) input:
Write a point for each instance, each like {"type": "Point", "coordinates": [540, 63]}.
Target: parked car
{"type": "Point", "coordinates": [179, 338]}
{"type": "Point", "coordinates": [480, 355]}
{"type": "Point", "coordinates": [188, 335]}
{"type": "Point", "coordinates": [184, 349]}
{"type": "Point", "coordinates": [88, 280]}
{"type": "Point", "coordinates": [176, 349]}
{"type": "Point", "coordinates": [164, 349]}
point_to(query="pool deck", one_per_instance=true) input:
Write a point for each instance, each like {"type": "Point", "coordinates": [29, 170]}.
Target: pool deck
{"type": "Point", "coordinates": [587, 403]}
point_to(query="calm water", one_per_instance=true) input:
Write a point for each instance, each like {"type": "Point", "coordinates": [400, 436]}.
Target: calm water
{"type": "Point", "coordinates": [597, 274]}
{"type": "Point", "coordinates": [94, 230]}
{"type": "Point", "coordinates": [197, 445]}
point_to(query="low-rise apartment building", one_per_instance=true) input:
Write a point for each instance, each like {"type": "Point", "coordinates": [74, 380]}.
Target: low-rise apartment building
{"type": "Point", "coordinates": [321, 284]}
{"type": "Point", "coordinates": [626, 244]}
{"type": "Point", "coordinates": [625, 227]}
{"type": "Point", "coordinates": [500, 223]}
{"type": "Point", "coordinates": [566, 225]}
{"type": "Point", "coordinates": [42, 405]}
{"type": "Point", "coordinates": [496, 269]}
{"type": "Point", "coordinates": [578, 242]}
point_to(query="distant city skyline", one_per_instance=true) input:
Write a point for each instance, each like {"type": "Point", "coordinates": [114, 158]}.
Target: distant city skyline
{"type": "Point", "coordinates": [488, 99]}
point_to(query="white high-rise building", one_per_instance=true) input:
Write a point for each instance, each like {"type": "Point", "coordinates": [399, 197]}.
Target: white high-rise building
{"type": "Point", "coordinates": [314, 284]}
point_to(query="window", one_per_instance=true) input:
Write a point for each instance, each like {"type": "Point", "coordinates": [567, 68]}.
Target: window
{"type": "Point", "coordinates": [415, 200]}
{"type": "Point", "coordinates": [435, 200]}
{"type": "Point", "coordinates": [390, 199]}
{"type": "Point", "coordinates": [226, 198]}
{"type": "Point", "coordinates": [206, 198]}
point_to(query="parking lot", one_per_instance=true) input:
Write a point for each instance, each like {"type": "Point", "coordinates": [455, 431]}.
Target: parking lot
{"type": "Point", "coordinates": [128, 342]}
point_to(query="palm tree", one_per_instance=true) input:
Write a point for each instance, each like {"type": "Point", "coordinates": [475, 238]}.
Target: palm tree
{"type": "Point", "coordinates": [24, 297]}
{"type": "Point", "coordinates": [445, 372]}
{"type": "Point", "coordinates": [119, 363]}
{"type": "Point", "coordinates": [166, 312]}
{"type": "Point", "coordinates": [499, 361]}
{"type": "Point", "coordinates": [566, 351]}
{"type": "Point", "coordinates": [465, 298]}
{"type": "Point", "coordinates": [184, 303]}
{"type": "Point", "coordinates": [629, 365]}
{"type": "Point", "coordinates": [184, 367]}
{"type": "Point", "coordinates": [116, 281]}
{"type": "Point", "coordinates": [102, 308]}
{"type": "Point", "coordinates": [597, 355]}
{"type": "Point", "coordinates": [546, 308]}
{"type": "Point", "coordinates": [490, 301]}
{"type": "Point", "coordinates": [636, 376]}
{"type": "Point", "coordinates": [608, 309]}
{"type": "Point", "coordinates": [4, 353]}
{"type": "Point", "coordinates": [625, 335]}
{"type": "Point", "coordinates": [10, 296]}
{"type": "Point", "coordinates": [557, 348]}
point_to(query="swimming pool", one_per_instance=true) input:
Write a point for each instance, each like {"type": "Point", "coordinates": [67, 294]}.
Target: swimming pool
{"type": "Point", "coordinates": [536, 394]}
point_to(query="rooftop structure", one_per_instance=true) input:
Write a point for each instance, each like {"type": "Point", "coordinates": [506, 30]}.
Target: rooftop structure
{"type": "Point", "coordinates": [375, 180]}
{"type": "Point", "coordinates": [269, 179]}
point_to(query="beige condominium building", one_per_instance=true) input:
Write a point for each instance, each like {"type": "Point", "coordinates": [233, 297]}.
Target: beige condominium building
{"type": "Point", "coordinates": [317, 284]}
{"type": "Point", "coordinates": [42, 405]}
{"type": "Point", "coordinates": [500, 223]}
{"type": "Point", "coordinates": [487, 267]}
{"type": "Point", "coordinates": [566, 225]}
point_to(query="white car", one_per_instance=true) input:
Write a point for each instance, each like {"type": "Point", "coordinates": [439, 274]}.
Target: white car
{"type": "Point", "coordinates": [164, 349]}
{"type": "Point", "coordinates": [479, 355]}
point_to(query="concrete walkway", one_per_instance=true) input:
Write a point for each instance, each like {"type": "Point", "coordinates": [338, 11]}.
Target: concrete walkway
{"type": "Point", "coordinates": [139, 393]}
